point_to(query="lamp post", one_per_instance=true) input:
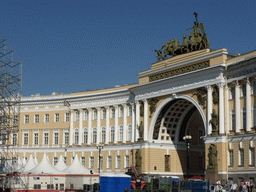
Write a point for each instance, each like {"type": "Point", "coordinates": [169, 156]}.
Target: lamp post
{"type": "Point", "coordinates": [100, 147]}
{"type": "Point", "coordinates": [187, 139]}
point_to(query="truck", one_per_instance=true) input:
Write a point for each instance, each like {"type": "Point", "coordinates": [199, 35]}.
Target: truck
{"type": "Point", "coordinates": [137, 183]}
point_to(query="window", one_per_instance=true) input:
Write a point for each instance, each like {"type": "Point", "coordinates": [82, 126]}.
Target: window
{"type": "Point", "coordinates": [252, 156]}
{"type": "Point", "coordinates": [121, 112]}
{"type": "Point", "coordinates": [76, 136]}
{"type": "Point", "coordinates": [233, 119]}
{"type": "Point", "coordinates": [35, 138]}
{"type": "Point", "coordinates": [112, 134]}
{"type": "Point", "coordinates": [37, 186]}
{"type": "Point", "coordinates": [14, 138]}
{"type": "Point", "coordinates": [71, 186]}
{"type": "Point", "coordinates": [113, 113]}
{"type": "Point", "coordinates": [66, 139]}
{"type": "Point", "coordinates": [85, 135]}
{"type": "Point", "coordinates": [244, 117]}
{"type": "Point", "coordinates": [254, 87]}
{"type": "Point", "coordinates": [61, 186]}
{"type": "Point", "coordinates": [86, 115]}
{"type": "Point", "coordinates": [129, 132]}
{"type": "Point", "coordinates": [232, 92]}
{"type": "Point", "coordinates": [56, 138]}
{"type": "Point", "coordinates": [65, 160]}
{"type": "Point", "coordinates": [66, 117]}
{"type": "Point", "coordinates": [241, 157]}
{"type": "Point", "coordinates": [76, 116]}
{"type": "Point", "coordinates": [46, 138]}
{"type": "Point", "coordinates": [254, 116]}
{"type": "Point", "coordinates": [91, 162]}
{"type": "Point", "coordinates": [118, 162]}
{"type": "Point", "coordinates": [50, 186]}
{"type": "Point", "coordinates": [55, 160]}
{"type": "Point", "coordinates": [36, 118]}
{"type": "Point", "coordinates": [109, 162]}
{"type": "Point", "coordinates": [230, 158]}
{"type": "Point", "coordinates": [243, 90]}
{"type": "Point", "coordinates": [26, 121]}
{"type": "Point", "coordinates": [25, 138]}
{"type": "Point", "coordinates": [104, 114]}
{"type": "Point", "coordinates": [95, 115]}
{"type": "Point", "coordinates": [46, 118]}
{"type": "Point", "coordinates": [101, 162]}
{"type": "Point", "coordinates": [130, 111]}
{"type": "Point", "coordinates": [15, 119]}
{"type": "Point", "coordinates": [83, 160]}
{"type": "Point", "coordinates": [57, 117]}
{"type": "Point", "coordinates": [103, 135]}
{"type": "Point", "coordinates": [94, 135]}
{"type": "Point", "coordinates": [127, 161]}
{"type": "Point", "coordinates": [121, 133]}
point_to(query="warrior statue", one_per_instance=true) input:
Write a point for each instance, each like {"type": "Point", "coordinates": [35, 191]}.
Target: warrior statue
{"type": "Point", "coordinates": [159, 54]}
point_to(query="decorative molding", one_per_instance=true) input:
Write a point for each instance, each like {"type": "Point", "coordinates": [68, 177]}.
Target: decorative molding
{"type": "Point", "coordinates": [216, 139]}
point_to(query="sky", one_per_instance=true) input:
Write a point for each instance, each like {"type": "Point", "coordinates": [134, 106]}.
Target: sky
{"type": "Point", "coordinates": [69, 46]}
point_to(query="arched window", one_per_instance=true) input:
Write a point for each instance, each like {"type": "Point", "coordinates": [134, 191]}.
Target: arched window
{"type": "Point", "coordinates": [94, 135]}
{"type": "Point", "coordinates": [103, 135]}
{"type": "Point", "coordinates": [112, 135]}
{"type": "Point", "coordinates": [129, 132]}
{"type": "Point", "coordinates": [76, 136]}
{"type": "Point", "coordinates": [85, 135]}
{"type": "Point", "coordinates": [121, 133]}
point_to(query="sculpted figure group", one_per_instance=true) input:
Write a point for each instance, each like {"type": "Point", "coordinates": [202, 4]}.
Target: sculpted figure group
{"type": "Point", "coordinates": [197, 41]}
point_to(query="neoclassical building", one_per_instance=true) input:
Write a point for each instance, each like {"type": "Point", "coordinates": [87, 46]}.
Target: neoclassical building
{"type": "Point", "coordinates": [207, 94]}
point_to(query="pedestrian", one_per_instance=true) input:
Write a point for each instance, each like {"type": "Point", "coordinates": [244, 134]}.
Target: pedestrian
{"type": "Point", "coordinates": [241, 187]}
{"type": "Point", "coordinates": [126, 190]}
{"type": "Point", "coordinates": [251, 184]}
{"type": "Point", "coordinates": [218, 187]}
{"type": "Point", "coordinates": [245, 187]}
{"type": "Point", "coordinates": [233, 187]}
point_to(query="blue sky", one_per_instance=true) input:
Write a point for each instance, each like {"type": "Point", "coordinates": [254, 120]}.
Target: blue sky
{"type": "Point", "coordinates": [75, 45]}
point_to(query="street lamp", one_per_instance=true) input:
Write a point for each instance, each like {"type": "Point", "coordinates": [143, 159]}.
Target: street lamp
{"type": "Point", "coordinates": [100, 147]}
{"type": "Point", "coordinates": [187, 138]}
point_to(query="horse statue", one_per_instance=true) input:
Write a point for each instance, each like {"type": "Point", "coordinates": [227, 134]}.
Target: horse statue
{"type": "Point", "coordinates": [177, 49]}
{"type": "Point", "coordinates": [168, 49]}
{"type": "Point", "coordinates": [159, 55]}
{"type": "Point", "coordinates": [192, 42]}
{"type": "Point", "coordinates": [199, 40]}
{"type": "Point", "coordinates": [185, 44]}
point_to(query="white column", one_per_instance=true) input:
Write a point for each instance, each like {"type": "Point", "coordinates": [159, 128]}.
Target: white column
{"type": "Point", "coordinates": [107, 124]}
{"type": "Point", "coordinates": [137, 120]}
{"type": "Point", "coordinates": [80, 126]}
{"type": "Point", "coordinates": [237, 105]}
{"type": "Point", "coordinates": [227, 109]}
{"type": "Point", "coordinates": [133, 122]}
{"type": "Point", "coordinates": [125, 123]}
{"type": "Point", "coordinates": [98, 125]}
{"type": "Point", "coordinates": [71, 127]}
{"type": "Point", "coordinates": [145, 119]}
{"type": "Point", "coordinates": [248, 105]}
{"type": "Point", "coordinates": [116, 122]}
{"type": "Point", "coordinates": [89, 125]}
{"type": "Point", "coordinates": [209, 109]}
{"type": "Point", "coordinates": [221, 109]}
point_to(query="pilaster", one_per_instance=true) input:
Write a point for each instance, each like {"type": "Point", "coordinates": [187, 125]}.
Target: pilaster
{"type": "Point", "coordinates": [248, 105]}
{"type": "Point", "coordinates": [71, 127]}
{"type": "Point", "coordinates": [89, 125]}
{"type": "Point", "coordinates": [137, 116]}
{"type": "Point", "coordinates": [80, 126]}
{"type": "Point", "coordinates": [209, 109]}
{"type": "Point", "coordinates": [145, 120]}
{"type": "Point", "coordinates": [221, 109]}
{"type": "Point", "coordinates": [116, 122]}
{"type": "Point", "coordinates": [237, 106]}
{"type": "Point", "coordinates": [107, 124]}
{"type": "Point", "coordinates": [98, 125]}
{"type": "Point", "coordinates": [133, 122]}
{"type": "Point", "coordinates": [125, 122]}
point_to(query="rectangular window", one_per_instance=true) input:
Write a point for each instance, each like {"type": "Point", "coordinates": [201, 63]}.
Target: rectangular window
{"type": "Point", "coordinates": [230, 158]}
{"type": "Point", "coordinates": [121, 112]}
{"type": "Point", "coordinates": [50, 186]}
{"type": "Point", "coordinates": [241, 157]}
{"type": "Point", "coordinates": [66, 117]}
{"type": "Point", "coordinates": [252, 156]}
{"type": "Point", "coordinates": [65, 160]}
{"type": "Point", "coordinates": [14, 138]}
{"type": "Point", "coordinates": [109, 162]}
{"type": "Point", "coordinates": [118, 162]}
{"type": "Point", "coordinates": [46, 118]}
{"type": "Point", "coordinates": [26, 121]}
{"type": "Point", "coordinates": [46, 138]}
{"type": "Point", "coordinates": [254, 87]}
{"type": "Point", "coordinates": [62, 186]}
{"type": "Point", "coordinates": [91, 162]}
{"type": "Point", "coordinates": [101, 162]}
{"type": "Point", "coordinates": [104, 114]}
{"type": "Point", "coordinates": [37, 186]}
{"type": "Point", "coordinates": [57, 117]}
{"type": "Point", "coordinates": [127, 161]}
{"type": "Point", "coordinates": [233, 119]}
{"type": "Point", "coordinates": [56, 138]}
{"type": "Point", "coordinates": [25, 137]}
{"type": "Point", "coordinates": [15, 120]}
{"type": "Point", "coordinates": [112, 113]}
{"type": "Point", "coordinates": [244, 118]}
{"type": "Point", "coordinates": [83, 160]}
{"type": "Point", "coordinates": [36, 118]}
{"type": "Point", "coordinates": [232, 92]}
{"type": "Point", "coordinates": [95, 115]}
{"type": "Point", "coordinates": [66, 139]}
{"type": "Point", "coordinates": [130, 111]}
{"type": "Point", "coordinates": [86, 115]}
{"type": "Point", "coordinates": [76, 116]}
{"type": "Point", "coordinates": [55, 160]}
{"type": "Point", "coordinates": [35, 138]}
{"type": "Point", "coordinates": [243, 90]}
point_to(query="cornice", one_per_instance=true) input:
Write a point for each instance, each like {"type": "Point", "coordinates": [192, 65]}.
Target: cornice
{"type": "Point", "coordinates": [242, 137]}
{"type": "Point", "coordinates": [217, 139]}
{"type": "Point", "coordinates": [184, 63]}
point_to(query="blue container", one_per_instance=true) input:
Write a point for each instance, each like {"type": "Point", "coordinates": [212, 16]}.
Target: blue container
{"type": "Point", "coordinates": [114, 182]}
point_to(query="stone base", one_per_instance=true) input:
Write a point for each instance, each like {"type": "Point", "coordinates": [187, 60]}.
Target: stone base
{"type": "Point", "coordinates": [212, 177]}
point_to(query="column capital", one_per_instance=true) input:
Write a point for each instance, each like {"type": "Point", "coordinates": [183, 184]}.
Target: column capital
{"type": "Point", "coordinates": [71, 110]}
{"type": "Point", "coordinates": [220, 85]}
{"type": "Point", "coordinates": [98, 108]}
{"type": "Point", "coordinates": [236, 83]}
{"type": "Point", "coordinates": [247, 80]}
{"type": "Point", "coordinates": [145, 101]}
{"type": "Point", "coordinates": [137, 102]}
{"type": "Point", "coordinates": [80, 110]}
{"type": "Point", "coordinates": [208, 87]}
{"type": "Point", "coordinates": [115, 106]}
{"type": "Point", "coordinates": [124, 105]}
{"type": "Point", "coordinates": [89, 109]}
{"type": "Point", "coordinates": [107, 107]}
{"type": "Point", "coordinates": [132, 104]}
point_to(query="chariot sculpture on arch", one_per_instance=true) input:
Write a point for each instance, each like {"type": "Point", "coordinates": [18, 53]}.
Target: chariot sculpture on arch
{"type": "Point", "coordinates": [197, 41]}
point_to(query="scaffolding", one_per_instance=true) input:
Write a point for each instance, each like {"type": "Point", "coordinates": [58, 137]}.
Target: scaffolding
{"type": "Point", "coordinates": [10, 96]}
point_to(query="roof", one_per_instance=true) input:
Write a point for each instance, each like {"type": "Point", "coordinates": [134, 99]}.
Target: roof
{"type": "Point", "coordinates": [113, 174]}
{"type": "Point", "coordinates": [30, 164]}
{"type": "Point", "coordinates": [76, 168]}
{"type": "Point", "coordinates": [61, 165]}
